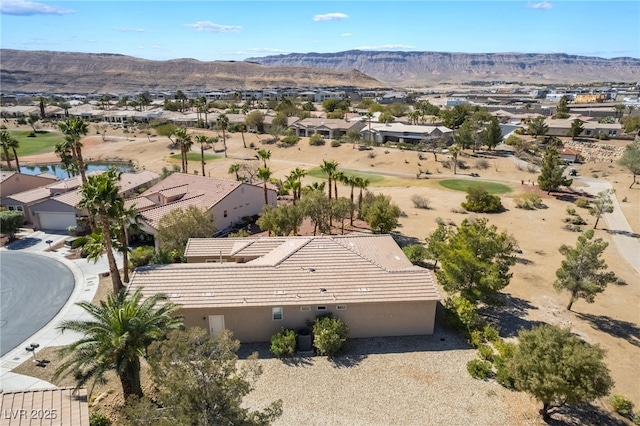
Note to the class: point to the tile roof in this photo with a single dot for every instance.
(299, 270)
(133, 180)
(6, 175)
(62, 406)
(31, 195)
(407, 128)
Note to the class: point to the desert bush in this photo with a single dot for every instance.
(583, 203)
(335, 143)
(480, 201)
(529, 202)
(622, 405)
(416, 253)
(290, 140)
(531, 168)
(99, 419)
(141, 256)
(316, 140)
(420, 201)
(486, 353)
(573, 228)
(491, 334)
(461, 314)
(331, 335)
(79, 242)
(283, 343)
(240, 233)
(446, 164)
(479, 369)
(458, 210)
(482, 164)
(372, 154)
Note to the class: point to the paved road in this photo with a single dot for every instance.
(34, 289)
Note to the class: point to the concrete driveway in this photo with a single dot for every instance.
(34, 289)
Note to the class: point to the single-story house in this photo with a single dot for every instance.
(407, 133)
(228, 201)
(330, 128)
(569, 155)
(60, 406)
(560, 127)
(257, 286)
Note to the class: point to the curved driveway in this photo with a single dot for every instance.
(34, 289)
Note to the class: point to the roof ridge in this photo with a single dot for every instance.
(353, 250)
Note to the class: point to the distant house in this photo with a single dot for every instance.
(330, 128)
(560, 127)
(404, 133)
(228, 201)
(61, 406)
(569, 155)
(257, 286)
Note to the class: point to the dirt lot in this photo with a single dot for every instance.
(612, 321)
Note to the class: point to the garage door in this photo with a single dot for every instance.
(56, 221)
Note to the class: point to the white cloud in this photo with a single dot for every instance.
(345, 35)
(131, 30)
(268, 50)
(542, 5)
(27, 8)
(210, 27)
(387, 47)
(330, 17)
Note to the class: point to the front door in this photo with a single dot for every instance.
(216, 324)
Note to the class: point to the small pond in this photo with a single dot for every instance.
(60, 173)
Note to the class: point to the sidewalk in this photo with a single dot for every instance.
(86, 276)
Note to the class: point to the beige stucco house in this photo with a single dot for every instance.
(330, 128)
(382, 133)
(560, 127)
(257, 286)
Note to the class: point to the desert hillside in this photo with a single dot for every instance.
(66, 72)
(426, 68)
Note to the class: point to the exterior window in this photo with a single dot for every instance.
(225, 213)
(321, 308)
(276, 314)
(305, 308)
(11, 208)
(341, 307)
(19, 208)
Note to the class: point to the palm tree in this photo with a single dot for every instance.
(292, 183)
(223, 123)
(264, 155)
(315, 186)
(5, 140)
(235, 168)
(337, 177)
(202, 140)
(183, 139)
(299, 174)
(116, 337)
(455, 151)
(369, 116)
(330, 168)
(351, 181)
(126, 220)
(101, 197)
(63, 150)
(362, 184)
(265, 174)
(74, 128)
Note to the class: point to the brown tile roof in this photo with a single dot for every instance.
(133, 180)
(62, 406)
(71, 198)
(140, 203)
(31, 195)
(299, 270)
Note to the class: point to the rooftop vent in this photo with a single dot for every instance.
(364, 289)
(323, 290)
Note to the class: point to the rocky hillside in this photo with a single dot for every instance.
(60, 72)
(426, 68)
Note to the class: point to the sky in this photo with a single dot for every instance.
(235, 30)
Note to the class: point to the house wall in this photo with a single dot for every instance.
(246, 200)
(20, 182)
(255, 324)
(50, 206)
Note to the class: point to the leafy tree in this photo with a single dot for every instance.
(537, 127)
(10, 222)
(631, 160)
(465, 136)
(582, 271)
(341, 209)
(558, 368)
(576, 129)
(255, 119)
(454, 117)
(330, 335)
(551, 173)
(199, 382)
(475, 261)
(353, 137)
(101, 197)
(116, 337)
(167, 130)
(317, 207)
(381, 214)
(601, 205)
(176, 227)
(385, 117)
(436, 243)
(32, 120)
(562, 108)
(480, 201)
(492, 135)
(282, 220)
(330, 105)
(416, 253)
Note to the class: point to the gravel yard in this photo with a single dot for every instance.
(417, 380)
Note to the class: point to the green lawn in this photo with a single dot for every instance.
(43, 142)
(373, 178)
(463, 184)
(194, 156)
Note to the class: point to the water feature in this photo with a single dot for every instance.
(60, 172)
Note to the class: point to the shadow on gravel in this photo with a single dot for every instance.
(509, 318)
(625, 233)
(23, 243)
(617, 328)
(584, 415)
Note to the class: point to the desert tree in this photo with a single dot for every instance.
(465, 135)
(381, 213)
(551, 176)
(603, 203)
(282, 220)
(176, 227)
(263, 155)
(184, 141)
(255, 119)
(537, 127)
(234, 169)
(341, 209)
(317, 207)
(492, 136)
(631, 160)
(558, 368)
(576, 129)
(116, 337)
(33, 120)
(583, 272)
(264, 174)
(436, 243)
(475, 261)
(562, 108)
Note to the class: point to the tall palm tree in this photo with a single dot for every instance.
(202, 140)
(183, 139)
(126, 219)
(362, 184)
(265, 174)
(5, 140)
(369, 116)
(351, 181)
(338, 176)
(264, 155)
(63, 150)
(330, 168)
(223, 123)
(74, 128)
(235, 169)
(299, 174)
(116, 337)
(101, 197)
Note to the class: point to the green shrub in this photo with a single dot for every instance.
(416, 253)
(330, 335)
(480, 201)
(283, 344)
(486, 353)
(476, 339)
(290, 140)
(141, 256)
(316, 140)
(491, 334)
(503, 375)
(622, 405)
(335, 143)
(582, 203)
(479, 369)
(79, 242)
(462, 314)
(420, 201)
(636, 418)
(98, 419)
(529, 202)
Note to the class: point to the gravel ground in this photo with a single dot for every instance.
(417, 380)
